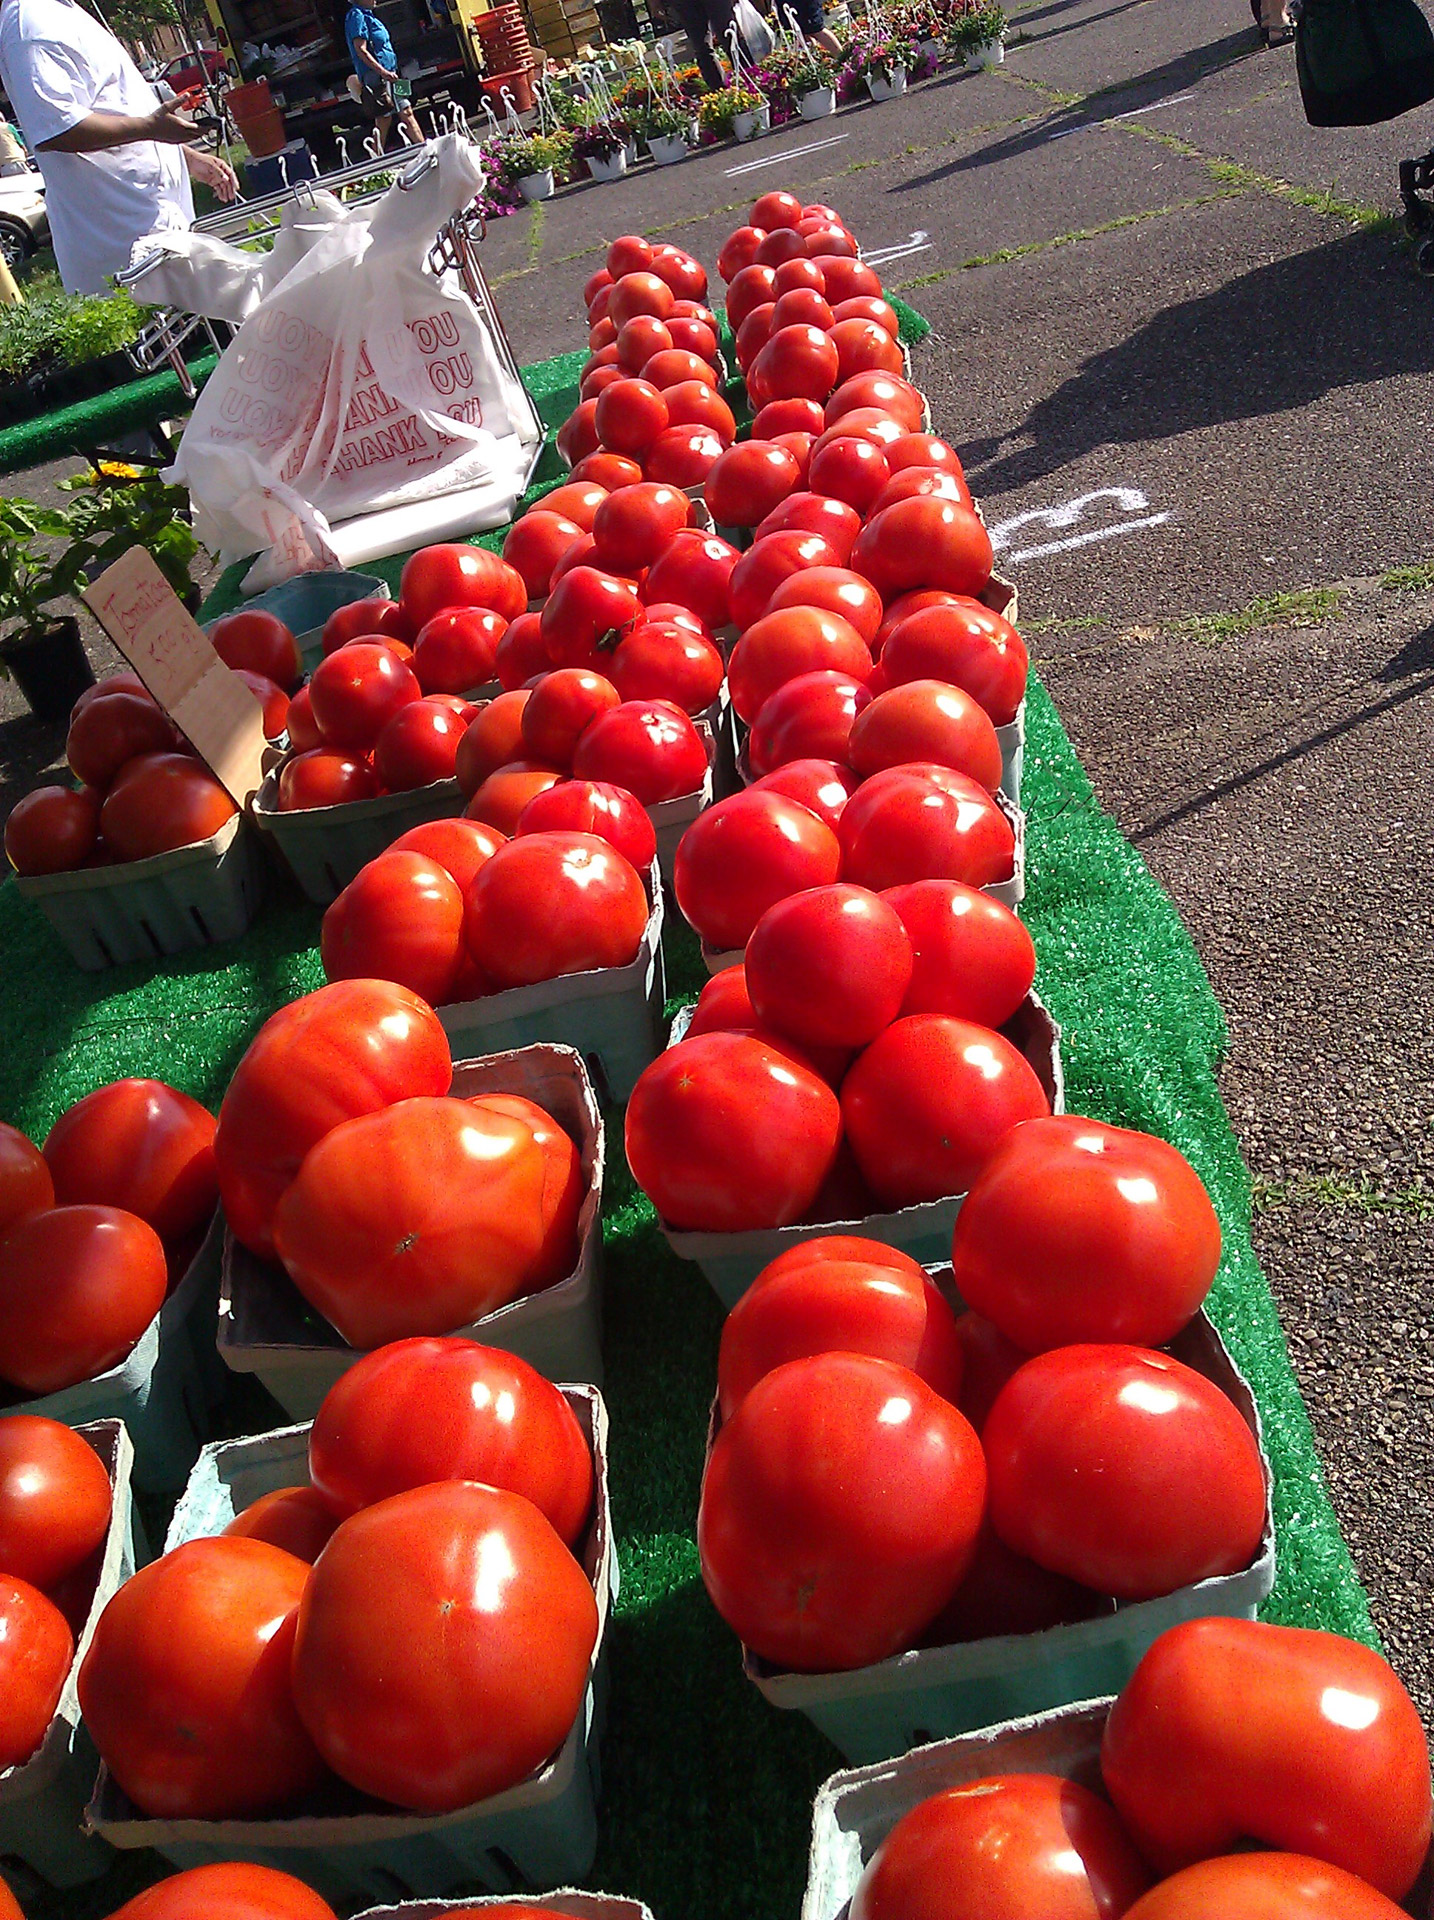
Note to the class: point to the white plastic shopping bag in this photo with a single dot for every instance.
(359, 382)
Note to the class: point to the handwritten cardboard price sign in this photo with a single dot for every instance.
(170, 652)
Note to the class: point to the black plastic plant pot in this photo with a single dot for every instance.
(50, 667)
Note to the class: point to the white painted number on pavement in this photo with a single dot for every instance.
(1129, 502)
(913, 243)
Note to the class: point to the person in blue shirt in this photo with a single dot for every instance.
(376, 66)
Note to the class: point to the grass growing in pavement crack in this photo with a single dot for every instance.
(1078, 623)
(535, 232)
(1324, 1190)
(1415, 579)
(1303, 607)
(1003, 255)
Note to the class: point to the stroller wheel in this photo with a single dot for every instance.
(1424, 257)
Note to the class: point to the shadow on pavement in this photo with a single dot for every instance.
(1229, 354)
(1415, 656)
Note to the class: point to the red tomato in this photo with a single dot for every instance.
(749, 480)
(272, 698)
(696, 572)
(425, 1410)
(232, 1890)
(686, 277)
(629, 253)
(802, 306)
(365, 620)
(840, 1507)
(36, 1648)
(162, 801)
(869, 424)
(648, 746)
(869, 307)
(585, 616)
(563, 705)
(676, 367)
(348, 1049)
(914, 602)
(990, 1361)
(553, 903)
(838, 1306)
(54, 1500)
(460, 847)
(500, 801)
(834, 520)
(52, 830)
(751, 287)
(1022, 1843)
(1077, 1231)
(799, 446)
(521, 652)
(297, 1520)
(401, 919)
(259, 641)
(25, 1183)
(864, 347)
(829, 966)
(10, 1908)
(739, 250)
(926, 720)
(905, 825)
(483, 1665)
(753, 334)
(457, 649)
(355, 692)
(639, 339)
(78, 1286)
(780, 245)
(847, 279)
(896, 397)
(418, 746)
(633, 526)
(924, 542)
(1325, 1756)
(776, 210)
(606, 470)
(1003, 1593)
(1264, 1886)
(801, 271)
(105, 735)
(739, 857)
(141, 1146)
(684, 456)
(974, 959)
(639, 292)
(767, 563)
(304, 735)
(667, 613)
(185, 1687)
(577, 501)
(723, 1005)
(849, 469)
(794, 641)
(319, 778)
(821, 786)
(839, 591)
(629, 416)
(594, 807)
(826, 242)
(1125, 1470)
(911, 481)
(787, 416)
(693, 336)
(444, 576)
(492, 740)
(967, 646)
(926, 1103)
(467, 1217)
(797, 363)
(656, 662)
(692, 403)
(704, 1173)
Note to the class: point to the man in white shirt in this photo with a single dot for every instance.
(116, 162)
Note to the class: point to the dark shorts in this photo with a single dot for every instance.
(376, 97)
(809, 14)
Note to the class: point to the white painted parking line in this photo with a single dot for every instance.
(913, 243)
(787, 153)
(1174, 100)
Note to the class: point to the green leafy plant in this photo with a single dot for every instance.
(537, 153)
(40, 562)
(55, 329)
(665, 118)
(127, 506)
(971, 27)
(717, 111)
(877, 57)
(599, 140)
(812, 69)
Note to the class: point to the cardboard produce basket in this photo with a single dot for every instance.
(42, 1803)
(196, 896)
(166, 1387)
(672, 818)
(612, 1016)
(874, 1712)
(856, 1809)
(326, 846)
(580, 1906)
(266, 1327)
(732, 1261)
(305, 603)
(541, 1831)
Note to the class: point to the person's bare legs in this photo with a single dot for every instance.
(382, 127)
(1275, 23)
(408, 120)
(827, 41)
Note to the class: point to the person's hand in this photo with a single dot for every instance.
(169, 125)
(214, 172)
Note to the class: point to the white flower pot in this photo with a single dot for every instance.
(537, 186)
(631, 150)
(817, 104)
(993, 54)
(611, 168)
(746, 126)
(667, 148)
(931, 50)
(880, 89)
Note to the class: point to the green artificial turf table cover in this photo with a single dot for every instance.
(707, 1790)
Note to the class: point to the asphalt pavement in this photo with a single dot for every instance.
(1185, 354)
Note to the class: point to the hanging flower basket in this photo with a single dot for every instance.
(817, 104)
(608, 167)
(886, 86)
(993, 54)
(536, 186)
(667, 148)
